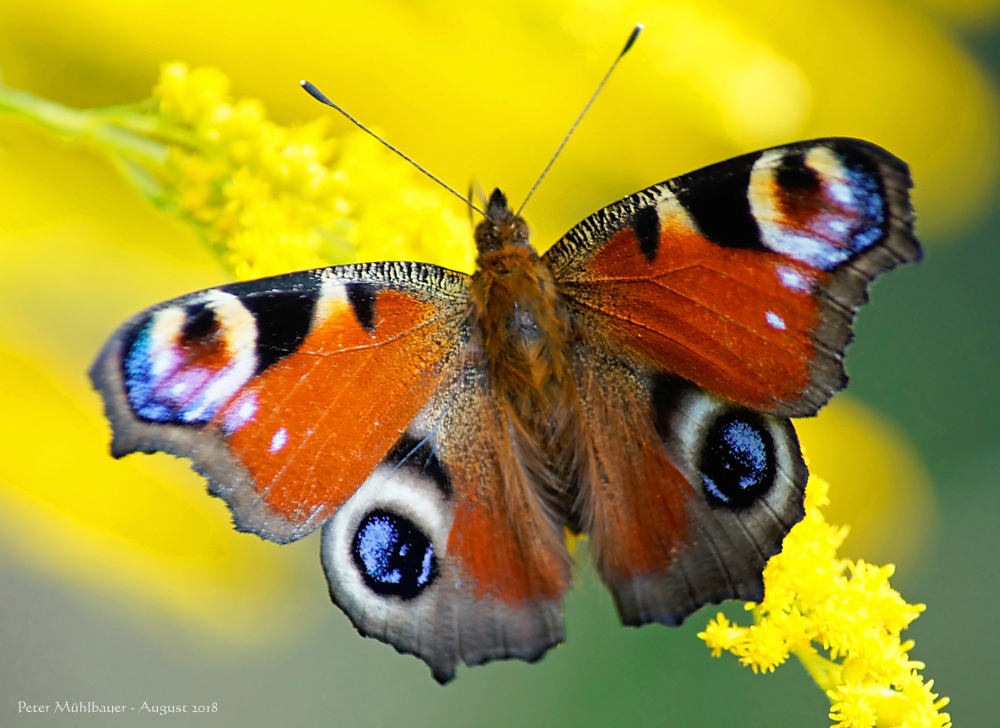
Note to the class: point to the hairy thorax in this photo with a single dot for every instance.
(523, 336)
(523, 329)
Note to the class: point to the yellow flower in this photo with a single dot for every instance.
(813, 601)
(721, 636)
(267, 198)
(273, 198)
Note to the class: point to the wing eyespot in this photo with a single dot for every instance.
(186, 361)
(394, 557)
(200, 322)
(737, 465)
(384, 548)
(734, 455)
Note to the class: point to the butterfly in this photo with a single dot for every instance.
(633, 384)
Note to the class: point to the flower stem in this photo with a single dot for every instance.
(824, 672)
(88, 124)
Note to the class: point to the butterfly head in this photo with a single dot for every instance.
(501, 228)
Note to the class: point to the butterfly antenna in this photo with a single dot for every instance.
(470, 197)
(628, 44)
(318, 95)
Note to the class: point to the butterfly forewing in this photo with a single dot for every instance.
(743, 277)
(258, 383)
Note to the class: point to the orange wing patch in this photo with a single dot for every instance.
(738, 322)
(501, 565)
(744, 277)
(507, 545)
(636, 498)
(326, 415)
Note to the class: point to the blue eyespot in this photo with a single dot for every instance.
(394, 557)
(737, 460)
(183, 374)
(830, 217)
(141, 382)
(871, 205)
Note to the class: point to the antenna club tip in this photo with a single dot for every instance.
(631, 39)
(316, 93)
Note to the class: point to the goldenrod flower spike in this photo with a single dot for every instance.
(815, 601)
(267, 198)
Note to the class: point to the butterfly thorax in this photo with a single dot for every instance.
(514, 304)
(521, 335)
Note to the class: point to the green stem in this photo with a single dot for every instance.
(151, 127)
(86, 124)
(826, 673)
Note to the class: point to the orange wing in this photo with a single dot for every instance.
(341, 396)
(743, 277)
(285, 392)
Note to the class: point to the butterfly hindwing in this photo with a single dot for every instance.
(691, 493)
(258, 383)
(443, 552)
(743, 277)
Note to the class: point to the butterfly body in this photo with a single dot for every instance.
(632, 384)
(521, 335)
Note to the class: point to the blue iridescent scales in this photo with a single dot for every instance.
(851, 220)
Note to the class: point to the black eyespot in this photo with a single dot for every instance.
(793, 175)
(199, 322)
(395, 558)
(738, 460)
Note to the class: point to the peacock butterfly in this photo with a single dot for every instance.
(633, 384)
